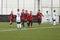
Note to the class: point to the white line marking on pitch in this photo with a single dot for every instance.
(14, 29)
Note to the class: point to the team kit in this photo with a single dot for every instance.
(25, 16)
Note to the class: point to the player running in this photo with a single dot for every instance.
(39, 17)
(54, 17)
(27, 17)
(11, 17)
(47, 17)
(30, 19)
(22, 17)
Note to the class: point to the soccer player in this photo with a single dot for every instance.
(26, 14)
(11, 17)
(22, 17)
(47, 17)
(18, 19)
(30, 19)
(39, 17)
(54, 17)
(27, 17)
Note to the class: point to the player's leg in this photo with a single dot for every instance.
(31, 23)
(10, 22)
(18, 25)
(40, 21)
(55, 22)
(23, 23)
(28, 24)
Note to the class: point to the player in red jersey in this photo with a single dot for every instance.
(11, 17)
(27, 17)
(39, 17)
(26, 14)
(22, 17)
(30, 19)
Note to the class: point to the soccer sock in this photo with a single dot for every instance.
(54, 23)
(23, 24)
(18, 26)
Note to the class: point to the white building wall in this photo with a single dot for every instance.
(45, 5)
(9, 5)
(29, 5)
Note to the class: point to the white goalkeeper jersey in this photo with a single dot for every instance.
(47, 16)
(18, 17)
(54, 16)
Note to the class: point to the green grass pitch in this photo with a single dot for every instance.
(43, 32)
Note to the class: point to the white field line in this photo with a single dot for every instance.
(14, 29)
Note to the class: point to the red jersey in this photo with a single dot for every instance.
(11, 16)
(22, 16)
(27, 16)
(30, 17)
(39, 15)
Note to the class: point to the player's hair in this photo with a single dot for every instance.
(54, 10)
(18, 10)
(46, 11)
(30, 11)
(39, 10)
(22, 9)
(26, 10)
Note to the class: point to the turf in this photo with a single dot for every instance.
(42, 33)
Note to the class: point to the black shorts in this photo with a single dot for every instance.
(18, 22)
(54, 20)
(30, 21)
(39, 20)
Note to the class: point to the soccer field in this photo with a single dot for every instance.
(43, 32)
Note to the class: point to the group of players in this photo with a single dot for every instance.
(53, 16)
(23, 16)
